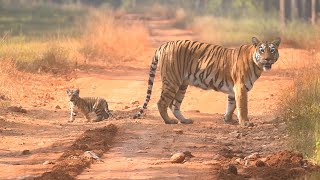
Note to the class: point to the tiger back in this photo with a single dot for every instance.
(87, 105)
(207, 66)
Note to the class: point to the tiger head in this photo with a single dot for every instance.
(266, 53)
(73, 94)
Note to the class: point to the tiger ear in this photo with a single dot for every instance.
(68, 91)
(77, 91)
(255, 41)
(277, 41)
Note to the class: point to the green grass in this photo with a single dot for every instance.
(41, 20)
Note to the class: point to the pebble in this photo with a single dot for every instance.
(233, 169)
(48, 162)
(238, 160)
(253, 156)
(178, 131)
(25, 152)
(177, 158)
(260, 163)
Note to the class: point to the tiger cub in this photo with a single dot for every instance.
(87, 105)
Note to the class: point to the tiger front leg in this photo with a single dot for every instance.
(73, 113)
(231, 106)
(241, 97)
(72, 116)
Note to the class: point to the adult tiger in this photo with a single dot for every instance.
(232, 71)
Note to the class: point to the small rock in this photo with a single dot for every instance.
(260, 163)
(232, 169)
(91, 155)
(238, 160)
(253, 156)
(178, 131)
(142, 151)
(134, 102)
(177, 158)
(126, 107)
(26, 152)
(129, 159)
(48, 162)
(188, 154)
(58, 107)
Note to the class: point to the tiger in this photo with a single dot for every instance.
(87, 105)
(232, 71)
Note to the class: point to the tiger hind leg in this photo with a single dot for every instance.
(167, 96)
(231, 106)
(86, 114)
(176, 103)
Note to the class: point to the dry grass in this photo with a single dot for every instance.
(234, 32)
(19, 87)
(301, 110)
(111, 40)
(23, 60)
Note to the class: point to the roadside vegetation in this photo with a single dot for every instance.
(301, 111)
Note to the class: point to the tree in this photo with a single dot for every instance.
(313, 12)
(294, 10)
(282, 13)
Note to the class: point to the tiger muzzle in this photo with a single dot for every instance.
(266, 64)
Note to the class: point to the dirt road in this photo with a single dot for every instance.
(142, 148)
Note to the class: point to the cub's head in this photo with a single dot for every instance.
(266, 53)
(73, 94)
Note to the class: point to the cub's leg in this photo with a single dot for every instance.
(167, 95)
(241, 95)
(73, 113)
(101, 110)
(231, 106)
(86, 114)
(106, 111)
(176, 103)
(100, 113)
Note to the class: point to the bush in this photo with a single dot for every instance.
(301, 111)
(111, 40)
(234, 32)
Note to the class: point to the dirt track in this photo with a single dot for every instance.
(143, 147)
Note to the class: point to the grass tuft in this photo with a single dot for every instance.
(111, 40)
(301, 112)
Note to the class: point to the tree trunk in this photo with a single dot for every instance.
(313, 12)
(282, 13)
(303, 9)
(294, 10)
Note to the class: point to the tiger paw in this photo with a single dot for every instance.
(227, 119)
(171, 121)
(187, 121)
(246, 124)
